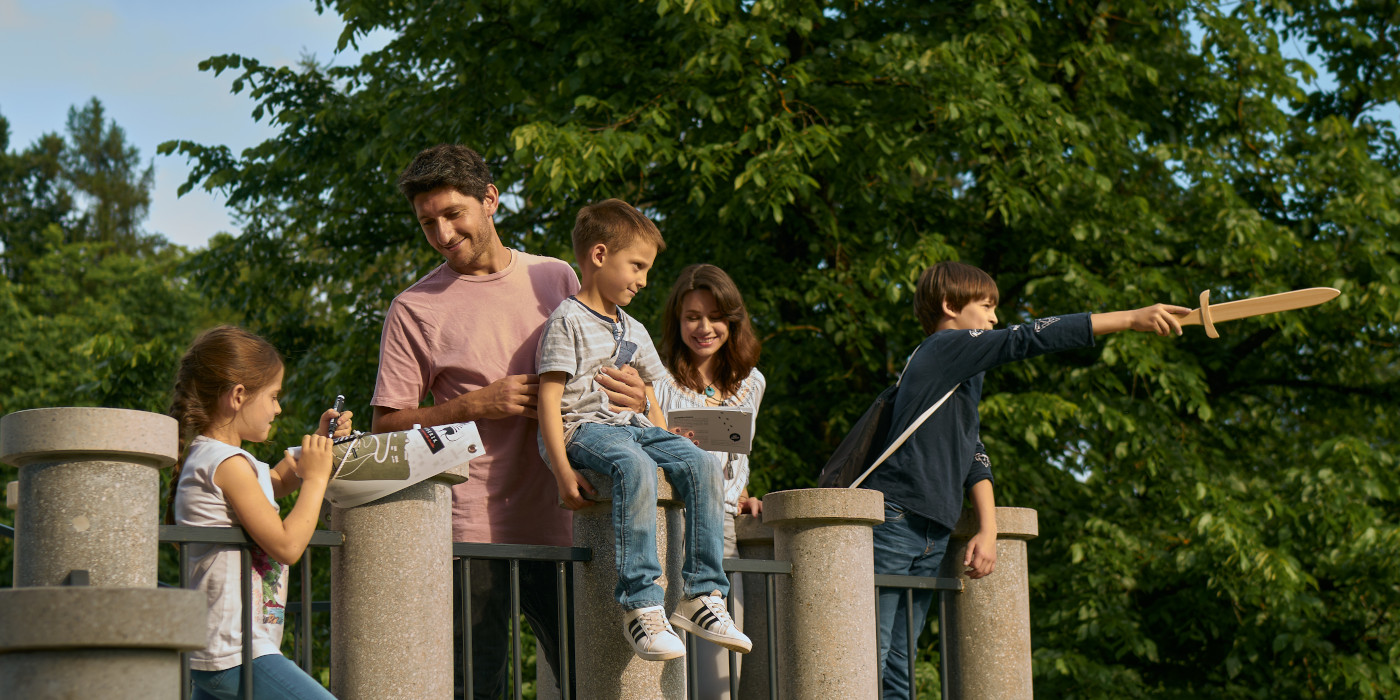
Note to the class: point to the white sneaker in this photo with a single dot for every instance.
(651, 635)
(707, 618)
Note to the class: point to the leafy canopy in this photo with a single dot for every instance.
(1218, 518)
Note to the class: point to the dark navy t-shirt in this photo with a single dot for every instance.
(941, 460)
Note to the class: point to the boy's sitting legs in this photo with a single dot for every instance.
(696, 479)
(631, 456)
(611, 450)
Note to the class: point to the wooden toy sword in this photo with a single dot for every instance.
(1209, 315)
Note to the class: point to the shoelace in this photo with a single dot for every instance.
(715, 604)
(653, 622)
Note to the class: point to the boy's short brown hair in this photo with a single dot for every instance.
(614, 223)
(957, 283)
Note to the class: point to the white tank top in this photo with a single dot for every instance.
(214, 569)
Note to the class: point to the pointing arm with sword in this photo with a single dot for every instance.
(1164, 319)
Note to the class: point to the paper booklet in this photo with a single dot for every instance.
(717, 428)
(367, 467)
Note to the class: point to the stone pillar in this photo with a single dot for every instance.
(986, 629)
(89, 493)
(391, 594)
(604, 665)
(87, 506)
(755, 542)
(826, 608)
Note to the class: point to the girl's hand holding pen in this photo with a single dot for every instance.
(343, 421)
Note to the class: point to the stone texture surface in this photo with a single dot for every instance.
(986, 629)
(605, 665)
(826, 609)
(64, 434)
(391, 597)
(80, 642)
(88, 494)
(93, 515)
(755, 542)
(68, 617)
(121, 674)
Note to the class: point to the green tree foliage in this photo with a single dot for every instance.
(96, 311)
(1218, 518)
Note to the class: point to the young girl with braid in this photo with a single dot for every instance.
(226, 392)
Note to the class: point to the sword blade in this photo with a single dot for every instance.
(1273, 303)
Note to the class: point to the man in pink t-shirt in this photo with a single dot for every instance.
(467, 333)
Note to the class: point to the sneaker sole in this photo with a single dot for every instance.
(658, 655)
(701, 632)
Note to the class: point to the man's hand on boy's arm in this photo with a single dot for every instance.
(514, 395)
(624, 388)
(1161, 319)
(981, 556)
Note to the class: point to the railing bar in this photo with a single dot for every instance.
(912, 641)
(733, 656)
(523, 552)
(757, 566)
(692, 665)
(562, 673)
(464, 575)
(245, 559)
(925, 583)
(515, 623)
(184, 655)
(192, 534)
(942, 647)
(304, 619)
(879, 640)
(772, 598)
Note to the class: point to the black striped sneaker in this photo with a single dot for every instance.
(707, 618)
(651, 635)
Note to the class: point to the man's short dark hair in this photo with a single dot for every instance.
(446, 165)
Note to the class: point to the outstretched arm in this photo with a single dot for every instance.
(1161, 319)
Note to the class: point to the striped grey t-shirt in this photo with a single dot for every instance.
(580, 342)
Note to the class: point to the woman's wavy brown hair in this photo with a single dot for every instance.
(740, 353)
(217, 361)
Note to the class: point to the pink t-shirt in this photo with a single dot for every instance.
(450, 334)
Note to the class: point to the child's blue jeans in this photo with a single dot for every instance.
(906, 544)
(630, 455)
(275, 677)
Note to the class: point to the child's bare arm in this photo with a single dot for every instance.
(982, 548)
(283, 540)
(656, 416)
(1158, 318)
(569, 481)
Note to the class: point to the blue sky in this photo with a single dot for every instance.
(140, 58)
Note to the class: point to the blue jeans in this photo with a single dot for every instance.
(275, 677)
(906, 544)
(630, 455)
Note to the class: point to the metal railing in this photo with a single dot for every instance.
(563, 558)
(911, 584)
(184, 535)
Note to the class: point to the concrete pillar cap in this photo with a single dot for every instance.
(748, 528)
(78, 617)
(1012, 524)
(851, 505)
(112, 434)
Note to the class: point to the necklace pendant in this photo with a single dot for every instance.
(710, 392)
